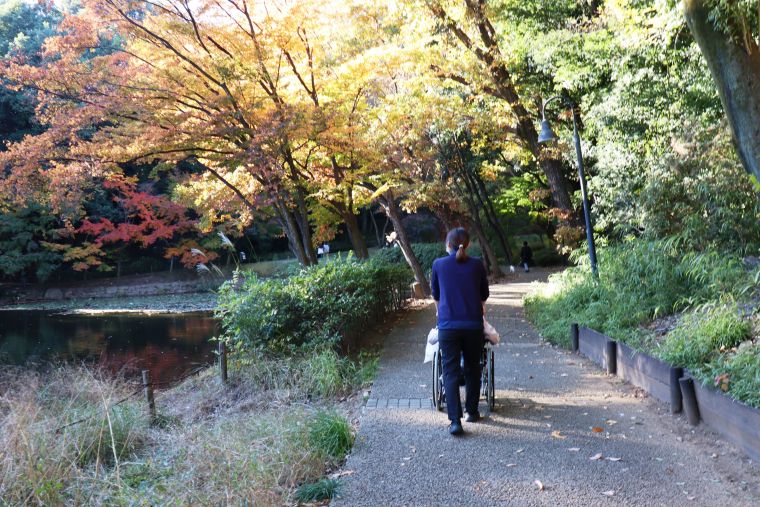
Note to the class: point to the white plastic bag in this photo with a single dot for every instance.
(430, 350)
(432, 338)
(431, 345)
(490, 332)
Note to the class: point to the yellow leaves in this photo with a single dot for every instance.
(557, 434)
(380, 191)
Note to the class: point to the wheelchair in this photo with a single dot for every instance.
(487, 387)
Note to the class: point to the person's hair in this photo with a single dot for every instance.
(525, 243)
(459, 239)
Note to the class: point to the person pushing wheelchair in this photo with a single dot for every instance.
(460, 290)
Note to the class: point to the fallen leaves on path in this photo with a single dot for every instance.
(574, 449)
(343, 473)
(609, 493)
(539, 485)
(596, 457)
(615, 459)
(558, 434)
(597, 429)
(518, 451)
(510, 465)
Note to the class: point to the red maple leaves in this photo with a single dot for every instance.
(148, 219)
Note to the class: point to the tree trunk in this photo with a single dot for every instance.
(485, 201)
(290, 227)
(302, 219)
(378, 237)
(392, 212)
(491, 261)
(736, 72)
(489, 258)
(355, 235)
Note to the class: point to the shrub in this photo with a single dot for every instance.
(637, 282)
(319, 305)
(642, 281)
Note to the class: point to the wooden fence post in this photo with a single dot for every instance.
(676, 400)
(148, 389)
(223, 362)
(689, 400)
(574, 337)
(611, 353)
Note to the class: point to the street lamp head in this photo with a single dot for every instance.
(547, 134)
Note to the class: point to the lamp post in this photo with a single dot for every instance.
(547, 135)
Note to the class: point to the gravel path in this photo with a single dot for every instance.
(538, 446)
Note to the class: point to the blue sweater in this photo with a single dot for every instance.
(460, 289)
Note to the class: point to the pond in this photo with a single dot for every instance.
(168, 345)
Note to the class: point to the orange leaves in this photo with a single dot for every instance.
(722, 382)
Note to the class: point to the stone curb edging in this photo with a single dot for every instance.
(398, 403)
(735, 421)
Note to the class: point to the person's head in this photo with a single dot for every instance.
(458, 240)
(525, 243)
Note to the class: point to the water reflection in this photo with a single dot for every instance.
(167, 345)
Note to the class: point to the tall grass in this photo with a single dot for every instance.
(256, 458)
(638, 282)
(272, 430)
(45, 450)
(703, 335)
(711, 296)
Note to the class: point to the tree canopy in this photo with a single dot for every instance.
(312, 114)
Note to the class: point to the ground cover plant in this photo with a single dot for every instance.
(697, 310)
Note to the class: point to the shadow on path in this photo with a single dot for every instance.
(555, 413)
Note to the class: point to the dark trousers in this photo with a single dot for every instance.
(454, 344)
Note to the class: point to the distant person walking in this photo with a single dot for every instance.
(460, 290)
(526, 256)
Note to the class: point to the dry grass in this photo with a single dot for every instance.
(43, 454)
(256, 440)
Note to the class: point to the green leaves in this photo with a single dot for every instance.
(23, 236)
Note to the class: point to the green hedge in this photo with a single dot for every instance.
(319, 305)
(426, 253)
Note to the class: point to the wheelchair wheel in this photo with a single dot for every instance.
(484, 374)
(438, 394)
(491, 383)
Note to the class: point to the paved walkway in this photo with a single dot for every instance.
(542, 445)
